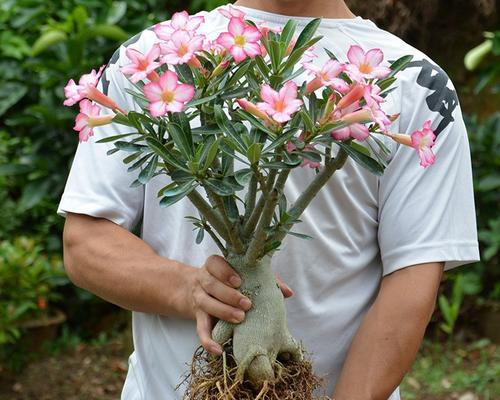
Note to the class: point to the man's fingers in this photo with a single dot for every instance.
(218, 309)
(224, 293)
(204, 331)
(220, 269)
(285, 289)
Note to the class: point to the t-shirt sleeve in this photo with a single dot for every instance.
(99, 184)
(428, 214)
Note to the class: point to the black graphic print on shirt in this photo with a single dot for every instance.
(444, 100)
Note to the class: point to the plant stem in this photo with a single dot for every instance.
(250, 198)
(311, 191)
(210, 215)
(265, 187)
(232, 230)
(215, 238)
(259, 240)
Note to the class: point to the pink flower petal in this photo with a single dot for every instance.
(288, 92)
(374, 57)
(168, 81)
(268, 94)
(238, 53)
(226, 40)
(359, 131)
(251, 33)
(356, 55)
(184, 92)
(281, 117)
(252, 49)
(381, 72)
(158, 108)
(180, 19)
(153, 91)
(236, 26)
(341, 134)
(175, 106)
(194, 23)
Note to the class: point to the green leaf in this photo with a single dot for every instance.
(206, 130)
(148, 172)
(243, 176)
(277, 165)
(255, 122)
(307, 33)
(365, 161)
(360, 148)
(159, 149)
(253, 153)
(300, 235)
(200, 101)
(262, 66)
(311, 155)
(330, 54)
(128, 146)
(47, 40)
(308, 122)
(184, 73)
(123, 120)
(138, 163)
(182, 140)
(288, 32)
(200, 236)
(295, 56)
(115, 137)
(224, 123)
(219, 187)
(275, 54)
(280, 140)
(400, 64)
(112, 32)
(212, 153)
(10, 95)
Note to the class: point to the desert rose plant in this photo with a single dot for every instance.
(225, 122)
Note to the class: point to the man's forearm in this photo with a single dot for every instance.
(388, 339)
(122, 269)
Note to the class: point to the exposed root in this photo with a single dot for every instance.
(214, 378)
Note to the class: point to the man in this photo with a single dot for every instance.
(365, 286)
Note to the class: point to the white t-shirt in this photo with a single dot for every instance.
(364, 226)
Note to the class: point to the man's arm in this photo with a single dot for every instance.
(390, 335)
(116, 265)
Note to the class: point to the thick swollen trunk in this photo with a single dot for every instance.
(263, 335)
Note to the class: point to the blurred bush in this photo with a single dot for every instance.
(29, 280)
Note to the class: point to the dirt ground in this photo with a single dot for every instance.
(83, 373)
(97, 372)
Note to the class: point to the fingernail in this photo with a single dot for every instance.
(245, 303)
(238, 316)
(235, 280)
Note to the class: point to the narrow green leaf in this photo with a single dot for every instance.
(288, 32)
(365, 161)
(182, 140)
(212, 153)
(219, 187)
(307, 33)
(159, 149)
(243, 176)
(127, 146)
(253, 153)
(148, 172)
(184, 73)
(116, 137)
(200, 101)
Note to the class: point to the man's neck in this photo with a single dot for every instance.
(301, 8)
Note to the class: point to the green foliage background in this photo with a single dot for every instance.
(45, 43)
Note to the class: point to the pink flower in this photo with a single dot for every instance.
(74, 93)
(167, 94)
(181, 21)
(241, 40)
(423, 141)
(352, 115)
(142, 65)
(181, 48)
(280, 105)
(229, 12)
(366, 65)
(373, 101)
(88, 118)
(326, 76)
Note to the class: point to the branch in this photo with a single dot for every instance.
(250, 198)
(214, 237)
(311, 191)
(233, 233)
(265, 187)
(259, 240)
(210, 215)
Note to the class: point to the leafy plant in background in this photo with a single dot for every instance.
(42, 44)
(29, 279)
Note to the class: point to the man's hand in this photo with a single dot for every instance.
(214, 295)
